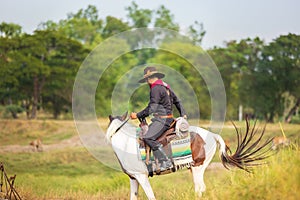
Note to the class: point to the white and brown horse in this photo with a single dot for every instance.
(123, 139)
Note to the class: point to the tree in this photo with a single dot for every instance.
(83, 26)
(31, 56)
(45, 60)
(197, 32)
(250, 51)
(139, 18)
(281, 63)
(111, 75)
(9, 30)
(237, 63)
(164, 19)
(64, 63)
(113, 26)
(9, 84)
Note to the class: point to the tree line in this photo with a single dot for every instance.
(38, 70)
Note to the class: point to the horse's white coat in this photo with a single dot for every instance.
(124, 144)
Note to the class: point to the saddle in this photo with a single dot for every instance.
(185, 149)
(164, 139)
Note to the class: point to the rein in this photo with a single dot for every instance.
(120, 126)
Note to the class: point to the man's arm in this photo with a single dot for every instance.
(153, 103)
(178, 104)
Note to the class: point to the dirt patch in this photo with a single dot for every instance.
(75, 141)
(71, 142)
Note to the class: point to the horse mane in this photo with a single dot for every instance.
(128, 128)
(247, 153)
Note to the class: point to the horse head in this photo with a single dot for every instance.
(121, 118)
(115, 123)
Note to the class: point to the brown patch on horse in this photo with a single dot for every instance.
(197, 147)
(167, 136)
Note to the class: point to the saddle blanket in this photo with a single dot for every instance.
(181, 152)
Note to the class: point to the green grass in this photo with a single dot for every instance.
(61, 173)
(280, 179)
(73, 174)
(22, 132)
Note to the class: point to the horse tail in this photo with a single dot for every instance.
(249, 148)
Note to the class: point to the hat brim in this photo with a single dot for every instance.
(158, 75)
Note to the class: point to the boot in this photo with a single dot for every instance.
(165, 162)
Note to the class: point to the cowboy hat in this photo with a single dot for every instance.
(150, 72)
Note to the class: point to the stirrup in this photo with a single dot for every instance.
(165, 165)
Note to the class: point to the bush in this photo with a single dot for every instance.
(295, 120)
(12, 109)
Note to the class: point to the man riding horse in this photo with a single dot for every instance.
(160, 105)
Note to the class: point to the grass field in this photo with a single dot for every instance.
(71, 173)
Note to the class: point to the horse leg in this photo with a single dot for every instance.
(147, 148)
(144, 182)
(198, 172)
(134, 187)
(198, 178)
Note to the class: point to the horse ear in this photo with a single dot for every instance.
(124, 116)
(110, 118)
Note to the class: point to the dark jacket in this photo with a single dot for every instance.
(161, 100)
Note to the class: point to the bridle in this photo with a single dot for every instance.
(120, 127)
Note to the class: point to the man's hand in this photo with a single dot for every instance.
(133, 115)
(184, 116)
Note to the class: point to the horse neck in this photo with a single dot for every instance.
(115, 124)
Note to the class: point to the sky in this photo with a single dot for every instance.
(223, 20)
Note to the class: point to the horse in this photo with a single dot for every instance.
(122, 137)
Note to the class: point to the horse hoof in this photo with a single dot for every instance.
(157, 171)
(150, 174)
